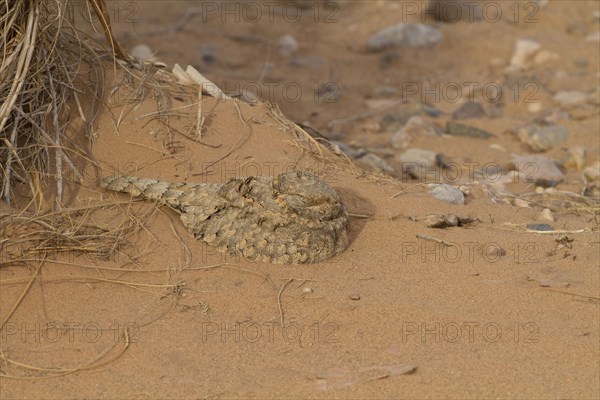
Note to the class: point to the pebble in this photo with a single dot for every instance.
(207, 53)
(540, 227)
(416, 126)
(592, 180)
(399, 116)
(592, 173)
(249, 97)
(525, 49)
(355, 296)
(447, 193)
(287, 45)
(469, 110)
(538, 169)
(415, 161)
(307, 290)
(546, 215)
(376, 162)
(575, 158)
(520, 203)
(542, 138)
(570, 99)
(458, 129)
(441, 221)
(405, 35)
(343, 147)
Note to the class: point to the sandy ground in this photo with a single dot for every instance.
(395, 315)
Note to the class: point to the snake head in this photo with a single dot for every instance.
(307, 196)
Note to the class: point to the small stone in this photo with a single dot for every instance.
(447, 193)
(538, 169)
(540, 227)
(355, 296)
(440, 221)
(592, 180)
(466, 189)
(414, 162)
(287, 45)
(469, 110)
(458, 129)
(248, 96)
(592, 174)
(570, 99)
(207, 53)
(343, 147)
(524, 52)
(416, 126)
(542, 138)
(575, 158)
(405, 35)
(307, 290)
(546, 215)
(539, 189)
(520, 203)
(376, 162)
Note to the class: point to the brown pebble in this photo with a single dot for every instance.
(355, 296)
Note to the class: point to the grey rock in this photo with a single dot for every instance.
(538, 169)
(441, 221)
(458, 129)
(447, 193)
(592, 180)
(570, 99)
(469, 110)
(540, 227)
(415, 126)
(376, 162)
(542, 138)
(575, 158)
(343, 147)
(414, 162)
(405, 35)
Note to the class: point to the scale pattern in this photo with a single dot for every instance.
(291, 218)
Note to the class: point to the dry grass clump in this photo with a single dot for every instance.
(47, 71)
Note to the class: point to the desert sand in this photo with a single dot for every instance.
(491, 309)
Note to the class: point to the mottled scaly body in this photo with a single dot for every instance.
(291, 218)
